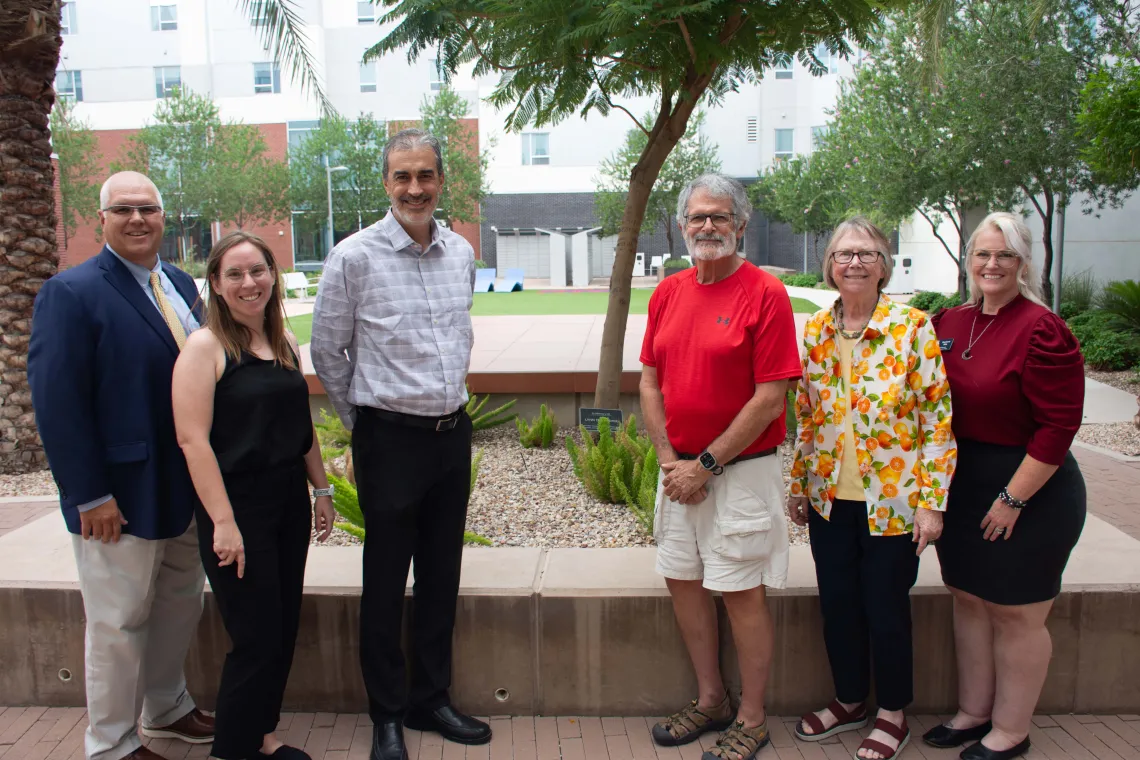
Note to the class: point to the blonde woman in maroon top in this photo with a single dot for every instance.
(1018, 498)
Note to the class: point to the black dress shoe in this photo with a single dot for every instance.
(450, 724)
(388, 741)
(945, 737)
(980, 751)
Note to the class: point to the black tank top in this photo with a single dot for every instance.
(261, 416)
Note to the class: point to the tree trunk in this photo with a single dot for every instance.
(1047, 244)
(667, 131)
(29, 54)
(667, 220)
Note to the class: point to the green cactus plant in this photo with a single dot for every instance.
(540, 432)
(618, 470)
(481, 420)
(346, 502)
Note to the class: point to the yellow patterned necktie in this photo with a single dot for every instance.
(168, 312)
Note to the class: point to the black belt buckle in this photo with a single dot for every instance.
(447, 423)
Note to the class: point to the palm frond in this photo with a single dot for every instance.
(933, 20)
(281, 29)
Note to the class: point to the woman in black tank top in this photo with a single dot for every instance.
(241, 409)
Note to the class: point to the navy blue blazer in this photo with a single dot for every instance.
(99, 364)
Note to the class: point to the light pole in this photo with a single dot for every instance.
(328, 176)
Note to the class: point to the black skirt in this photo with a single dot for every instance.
(1027, 567)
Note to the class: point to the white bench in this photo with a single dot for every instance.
(295, 281)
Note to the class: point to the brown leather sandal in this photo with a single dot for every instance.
(899, 733)
(690, 722)
(847, 721)
(739, 743)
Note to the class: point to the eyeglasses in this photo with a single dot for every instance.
(697, 221)
(237, 276)
(1005, 259)
(865, 257)
(126, 212)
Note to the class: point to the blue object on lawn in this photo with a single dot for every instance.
(512, 282)
(484, 280)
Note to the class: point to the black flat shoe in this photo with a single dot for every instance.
(388, 741)
(945, 737)
(285, 752)
(450, 724)
(980, 751)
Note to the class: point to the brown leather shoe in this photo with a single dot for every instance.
(142, 753)
(195, 727)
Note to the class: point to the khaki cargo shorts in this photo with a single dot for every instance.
(736, 539)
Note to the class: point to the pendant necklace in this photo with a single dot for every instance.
(968, 353)
(857, 334)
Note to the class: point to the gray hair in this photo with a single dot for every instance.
(410, 139)
(105, 190)
(718, 186)
(867, 227)
(1019, 240)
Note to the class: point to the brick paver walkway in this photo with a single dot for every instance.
(1113, 489)
(37, 733)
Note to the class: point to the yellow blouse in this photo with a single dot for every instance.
(900, 417)
(849, 484)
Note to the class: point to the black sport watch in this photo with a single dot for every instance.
(708, 461)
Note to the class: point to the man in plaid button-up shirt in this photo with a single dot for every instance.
(392, 343)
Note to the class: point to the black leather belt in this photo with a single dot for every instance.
(741, 458)
(438, 424)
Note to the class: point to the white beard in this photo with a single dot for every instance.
(703, 252)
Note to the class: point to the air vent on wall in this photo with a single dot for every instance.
(751, 130)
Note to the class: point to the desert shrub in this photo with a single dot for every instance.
(676, 264)
(346, 502)
(618, 469)
(1104, 345)
(481, 420)
(1078, 292)
(1121, 300)
(539, 433)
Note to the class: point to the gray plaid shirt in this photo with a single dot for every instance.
(392, 323)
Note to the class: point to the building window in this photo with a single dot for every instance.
(69, 84)
(299, 131)
(437, 78)
(259, 13)
(535, 148)
(67, 22)
(783, 144)
(817, 135)
(163, 18)
(784, 70)
(368, 77)
(829, 59)
(266, 78)
(751, 129)
(166, 78)
(365, 13)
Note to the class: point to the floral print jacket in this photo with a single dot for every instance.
(905, 448)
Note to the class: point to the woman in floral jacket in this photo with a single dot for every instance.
(874, 458)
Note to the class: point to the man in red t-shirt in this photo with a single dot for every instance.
(719, 350)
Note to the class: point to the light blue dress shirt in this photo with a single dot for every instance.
(181, 308)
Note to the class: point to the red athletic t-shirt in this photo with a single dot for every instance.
(711, 345)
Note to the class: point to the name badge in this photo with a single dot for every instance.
(945, 345)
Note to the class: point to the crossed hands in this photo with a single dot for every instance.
(685, 481)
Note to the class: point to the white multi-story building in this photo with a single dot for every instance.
(121, 56)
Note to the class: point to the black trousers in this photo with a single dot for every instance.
(413, 485)
(864, 592)
(261, 610)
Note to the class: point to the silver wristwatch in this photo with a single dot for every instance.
(317, 492)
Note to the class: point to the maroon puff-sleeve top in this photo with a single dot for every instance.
(1024, 383)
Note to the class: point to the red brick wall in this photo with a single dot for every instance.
(112, 144)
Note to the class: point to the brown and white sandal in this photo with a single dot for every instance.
(848, 721)
(901, 734)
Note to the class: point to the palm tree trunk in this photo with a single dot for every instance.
(29, 54)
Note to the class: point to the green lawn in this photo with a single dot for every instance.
(541, 303)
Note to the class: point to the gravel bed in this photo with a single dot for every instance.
(1122, 437)
(1126, 380)
(530, 497)
(30, 484)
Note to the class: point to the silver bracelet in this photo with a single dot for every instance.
(318, 492)
(1009, 501)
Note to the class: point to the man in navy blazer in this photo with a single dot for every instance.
(105, 335)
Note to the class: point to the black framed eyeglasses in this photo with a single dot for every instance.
(865, 257)
(719, 220)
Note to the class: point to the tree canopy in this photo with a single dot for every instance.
(464, 165)
(558, 58)
(77, 148)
